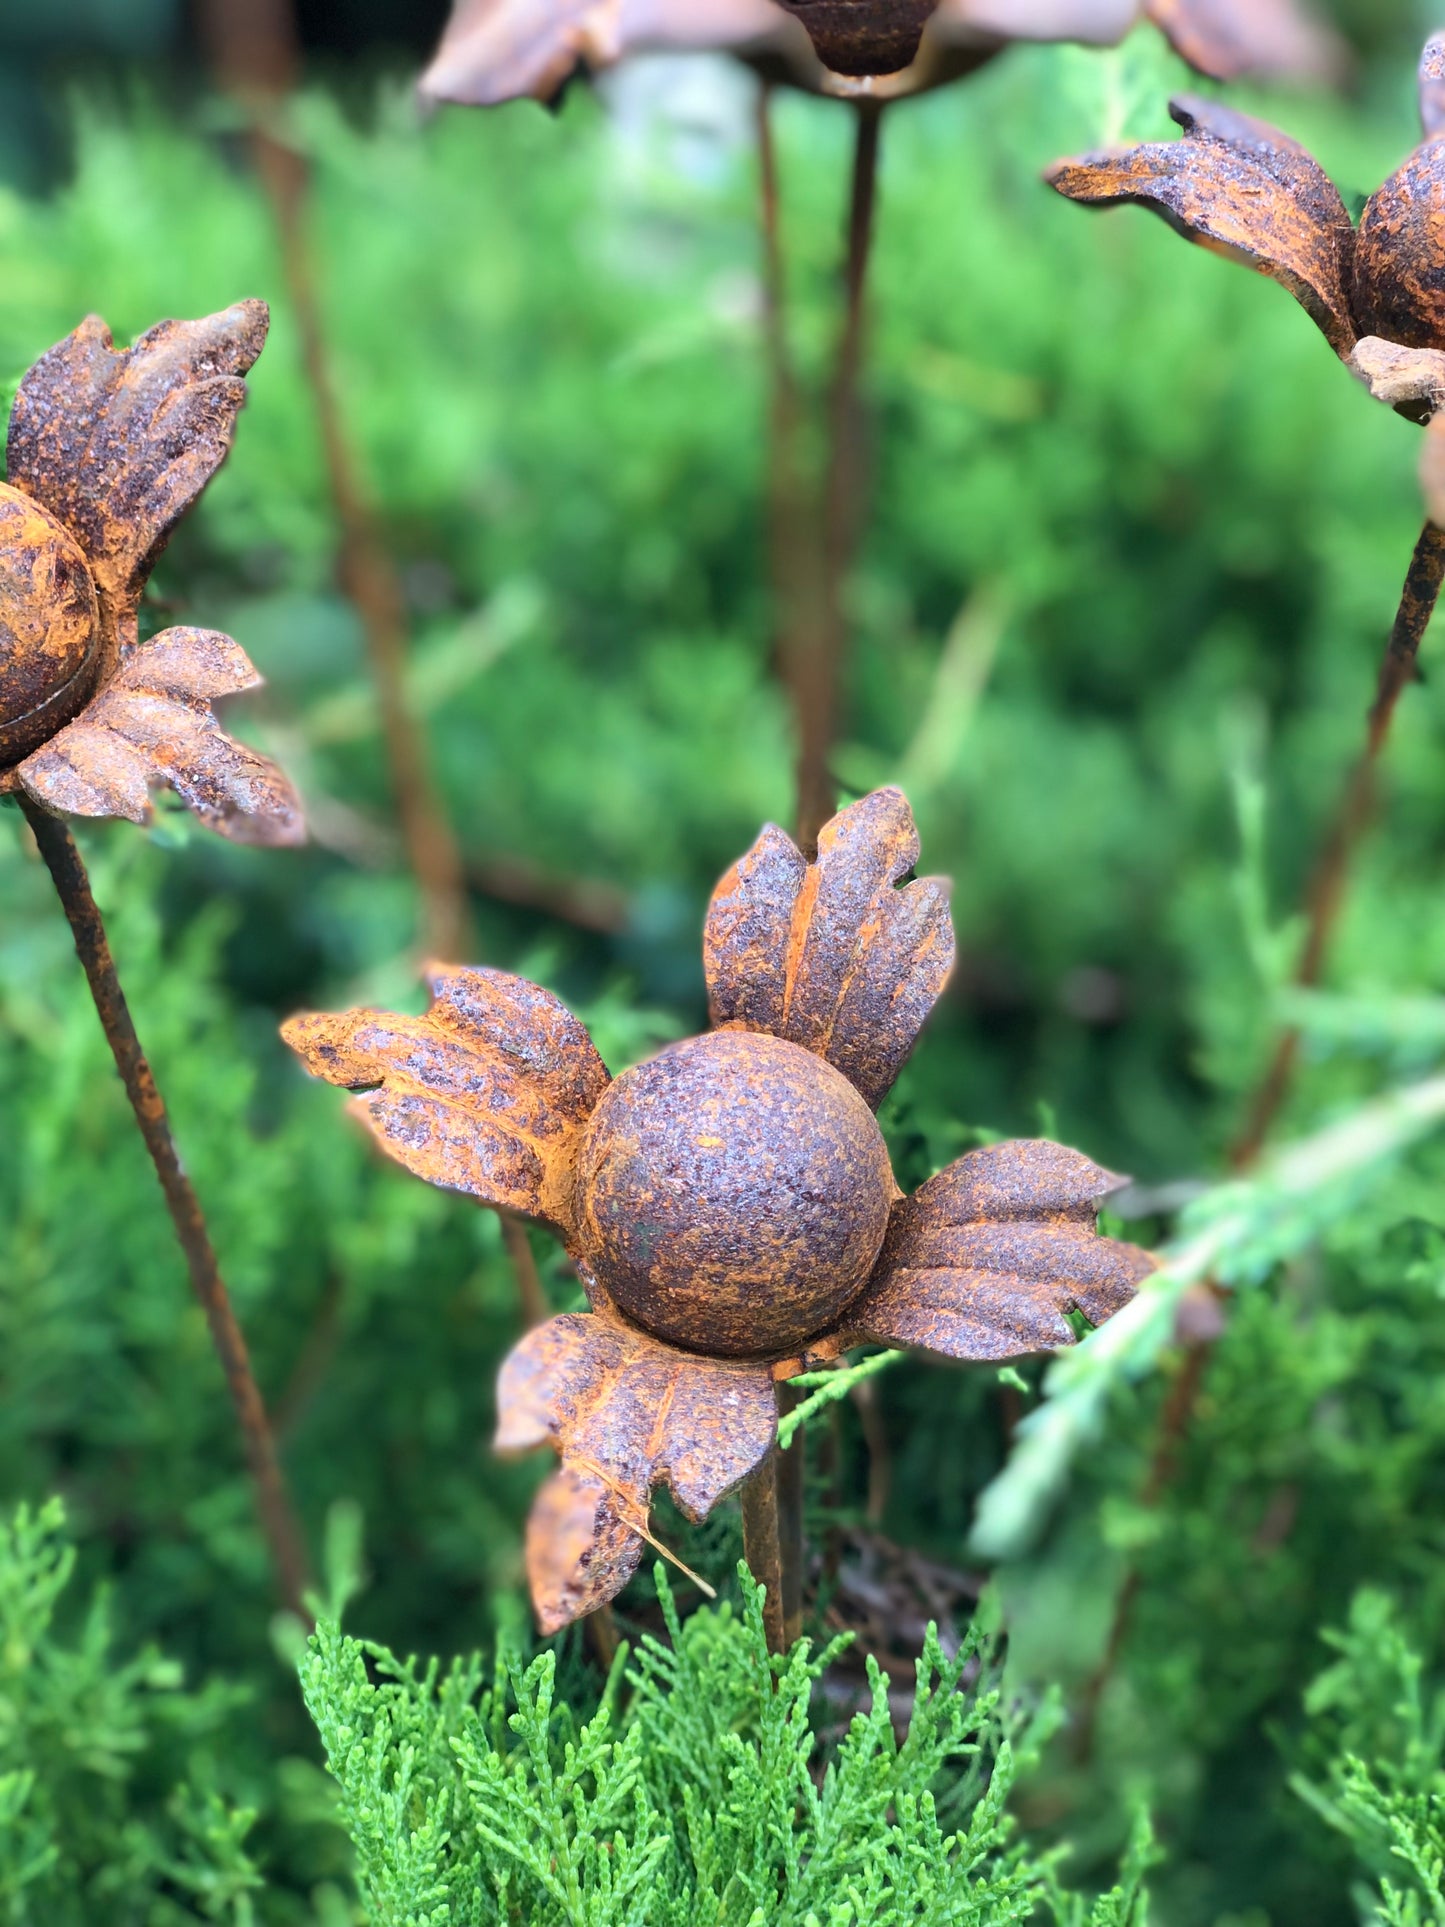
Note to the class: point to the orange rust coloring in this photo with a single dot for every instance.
(107, 449)
(1243, 189)
(729, 1204)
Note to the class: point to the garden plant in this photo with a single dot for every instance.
(761, 1474)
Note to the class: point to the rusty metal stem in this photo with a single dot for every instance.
(256, 55)
(530, 1294)
(762, 1548)
(820, 666)
(1353, 815)
(793, 546)
(273, 1503)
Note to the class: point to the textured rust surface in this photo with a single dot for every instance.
(49, 625)
(729, 1204)
(152, 725)
(984, 1260)
(863, 36)
(833, 955)
(118, 443)
(1243, 189)
(486, 1094)
(624, 1413)
(1399, 280)
(107, 449)
(732, 1194)
(499, 50)
(1228, 38)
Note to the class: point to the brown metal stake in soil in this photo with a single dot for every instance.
(273, 1503)
(255, 53)
(1352, 818)
(819, 670)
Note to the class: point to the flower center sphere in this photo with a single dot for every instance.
(49, 626)
(732, 1194)
(864, 36)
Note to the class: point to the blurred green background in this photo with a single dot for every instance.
(1136, 539)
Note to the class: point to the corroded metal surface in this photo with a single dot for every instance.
(625, 1414)
(1399, 280)
(118, 443)
(725, 1203)
(984, 1260)
(732, 1194)
(152, 724)
(107, 449)
(863, 36)
(1243, 189)
(487, 1094)
(49, 625)
(833, 955)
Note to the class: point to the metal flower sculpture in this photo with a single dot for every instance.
(1241, 188)
(107, 450)
(497, 50)
(729, 1204)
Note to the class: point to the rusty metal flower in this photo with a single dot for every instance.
(499, 50)
(729, 1204)
(107, 450)
(1243, 189)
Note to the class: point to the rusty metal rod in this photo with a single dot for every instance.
(819, 672)
(793, 539)
(763, 1548)
(273, 1502)
(1353, 815)
(257, 58)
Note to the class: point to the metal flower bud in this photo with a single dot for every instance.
(49, 625)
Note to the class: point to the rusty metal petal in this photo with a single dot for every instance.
(1243, 189)
(488, 1093)
(1399, 264)
(625, 1413)
(117, 444)
(499, 50)
(1229, 38)
(152, 726)
(983, 1260)
(833, 955)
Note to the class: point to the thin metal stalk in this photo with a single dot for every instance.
(256, 56)
(763, 1549)
(820, 667)
(1353, 815)
(273, 1502)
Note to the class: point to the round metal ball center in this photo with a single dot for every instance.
(49, 626)
(732, 1194)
